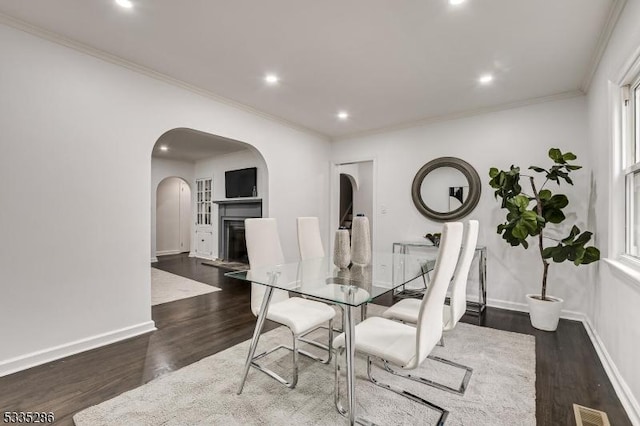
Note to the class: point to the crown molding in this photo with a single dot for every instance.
(116, 60)
(603, 41)
(462, 114)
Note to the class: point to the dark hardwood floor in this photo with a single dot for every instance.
(567, 367)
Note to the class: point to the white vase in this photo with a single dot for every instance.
(544, 314)
(360, 241)
(342, 249)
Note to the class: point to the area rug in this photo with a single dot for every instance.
(168, 287)
(501, 390)
(227, 266)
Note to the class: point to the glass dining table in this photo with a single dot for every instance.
(350, 288)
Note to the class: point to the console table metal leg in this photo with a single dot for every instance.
(483, 280)
(264, 308)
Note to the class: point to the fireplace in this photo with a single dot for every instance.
(232, 246)
(236, 246)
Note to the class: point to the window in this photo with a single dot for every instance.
(631, 164)
(203, 201)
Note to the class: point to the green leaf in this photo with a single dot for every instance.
(493, 172)
(547, 252)
(572, 234)
(591, 254)
(520, 231)
(569, 156)
(556, 155)
(522, 201)
(559, 254)
(538, 169)
(554, 215)
(545, 194)
(558, 201)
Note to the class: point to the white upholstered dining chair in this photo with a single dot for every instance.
(301, 316)
(408, 310)
(309, 240)
(403, 345)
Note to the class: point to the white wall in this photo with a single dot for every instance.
(216, 167)
(77, 133)
(521, 136)
(161, 169)
(614, 311)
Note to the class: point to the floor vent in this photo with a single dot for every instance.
(590, 417)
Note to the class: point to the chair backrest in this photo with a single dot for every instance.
(309, 241)
(429, 327)
(459, 285)
(263, 248)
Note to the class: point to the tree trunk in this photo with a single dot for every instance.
(545, 264)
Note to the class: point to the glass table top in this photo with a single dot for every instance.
(355, 286)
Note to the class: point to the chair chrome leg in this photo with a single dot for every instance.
(296, 352)
(459, 391)
(295, 362)
(443, 413)
(328, 348)
(441, 342)
(262, 315)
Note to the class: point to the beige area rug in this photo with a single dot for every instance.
(168, 287)
(501, 390)
(226, 265)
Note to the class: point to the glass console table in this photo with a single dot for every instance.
(349, 288)
(427, 249)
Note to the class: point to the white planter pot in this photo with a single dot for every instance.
(544, 314)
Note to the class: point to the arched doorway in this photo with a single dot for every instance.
(173, 216)
(206, 162)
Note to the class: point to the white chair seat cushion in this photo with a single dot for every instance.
(383, 338)
(407, 310)
(299, 314)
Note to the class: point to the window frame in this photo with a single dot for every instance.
(630, 138)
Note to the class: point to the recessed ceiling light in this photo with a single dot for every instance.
(125, 3)
(485, 79)
(343, 115)
(164, 148)
(271, 79)
(456, 2)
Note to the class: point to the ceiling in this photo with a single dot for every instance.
(191, 145)
(385, 62)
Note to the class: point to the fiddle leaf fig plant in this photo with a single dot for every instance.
(529, 214)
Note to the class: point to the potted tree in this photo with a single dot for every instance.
(529, 214)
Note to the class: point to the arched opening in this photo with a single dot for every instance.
(228, 180)
(346, 201)
(173, 216)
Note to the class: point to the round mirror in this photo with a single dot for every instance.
(446, 188)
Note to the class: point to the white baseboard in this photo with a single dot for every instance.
(205, 257)
(628, 401)
(33, 359)
(523, 307)
(167, 252)
(192, 254)
(154, 259)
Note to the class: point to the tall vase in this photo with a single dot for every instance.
(360, 241)
(342, 249)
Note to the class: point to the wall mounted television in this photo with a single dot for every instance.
(241, 183)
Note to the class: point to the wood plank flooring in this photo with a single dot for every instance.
(567, 367)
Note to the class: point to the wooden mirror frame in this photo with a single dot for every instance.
(467, 207)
